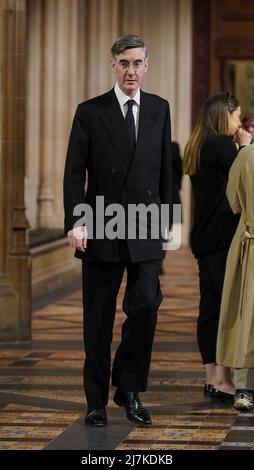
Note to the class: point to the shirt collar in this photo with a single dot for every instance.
(123, 98)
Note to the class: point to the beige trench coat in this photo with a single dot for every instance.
(235, 343)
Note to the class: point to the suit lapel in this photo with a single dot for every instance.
(147, 120)
(113, 121)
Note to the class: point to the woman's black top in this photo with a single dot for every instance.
(214, 223)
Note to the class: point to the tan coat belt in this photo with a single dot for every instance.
(246, 239)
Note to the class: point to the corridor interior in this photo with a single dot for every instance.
(41, 395)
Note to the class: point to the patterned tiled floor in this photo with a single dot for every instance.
(41, 396)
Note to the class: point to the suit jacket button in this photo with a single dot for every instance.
(149, 192)
(113, 171)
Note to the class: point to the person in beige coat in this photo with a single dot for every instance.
(235, 342)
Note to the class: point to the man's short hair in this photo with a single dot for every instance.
(247, 117)
(130, 41)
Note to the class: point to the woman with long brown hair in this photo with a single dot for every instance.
(209, 154)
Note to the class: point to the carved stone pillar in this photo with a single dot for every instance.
(15, 260)
(102, 31)
(56, 45)
(166, 28)
(33, 105)
(48, 116)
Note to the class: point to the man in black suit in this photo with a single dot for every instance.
(122, 141)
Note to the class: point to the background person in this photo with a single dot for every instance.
(235, 345)
(177, 173)
(248, 124)
(208, 156)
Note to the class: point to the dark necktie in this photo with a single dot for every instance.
(130, 124)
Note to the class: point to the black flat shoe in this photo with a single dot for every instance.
(96, 418)
(208, 389)
(223, 396)
(135, 411)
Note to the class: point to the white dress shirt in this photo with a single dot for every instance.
(122, 100)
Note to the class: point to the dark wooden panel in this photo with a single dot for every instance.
(201, 53)
(235, 48)
(241, 28)
(222, 30)
(238, 10)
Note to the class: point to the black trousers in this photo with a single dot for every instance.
(101, 283)
(211, 277)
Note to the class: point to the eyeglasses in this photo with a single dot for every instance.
(124, 64)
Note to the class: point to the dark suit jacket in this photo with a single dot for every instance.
(99, 146)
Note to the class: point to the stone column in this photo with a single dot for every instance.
(166, 28)
(56, 45)
(183, 68)
(69, 76)
(47, 114)
(15, 260)
(102, 31)
(33, 104)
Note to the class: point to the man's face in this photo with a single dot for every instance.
(130, 68)
(249, 126)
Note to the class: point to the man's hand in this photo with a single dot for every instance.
(77, 238)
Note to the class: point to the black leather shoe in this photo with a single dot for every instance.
(96, 418)
(208, 389)
(135, 411)
(223, 396)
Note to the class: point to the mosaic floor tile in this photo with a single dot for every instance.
(51, 374)
(200, 447)
(159, 446)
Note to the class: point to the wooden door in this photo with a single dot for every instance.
(223, 37)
